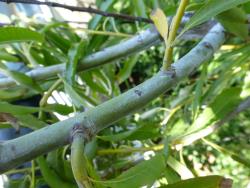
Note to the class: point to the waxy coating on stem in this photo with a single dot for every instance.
(105, 114)
(140, 42)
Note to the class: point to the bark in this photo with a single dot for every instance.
(19, 150)
(142, 41)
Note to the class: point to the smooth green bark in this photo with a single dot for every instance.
(17, 151)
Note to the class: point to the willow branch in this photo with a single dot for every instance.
(81, 9)
(187, 140)
(27, 147)
(133, 45)
(78, 159)
(173, 31)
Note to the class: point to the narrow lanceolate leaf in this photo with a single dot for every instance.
(77, 100)
(104, 6)
(117, 137)
(75, 53)
(8, 57)
(16, 109)
(21, 78)
(235, 156)
(235, 21)
(30, 121)
(18, 34)
(198, 91)
(161, 23)
(210, 9)
(180, 168)
(21, 110)
(221, 106)
(139, 8)
(126, 71)
(50, 176)
(202, 182)
(145, 173)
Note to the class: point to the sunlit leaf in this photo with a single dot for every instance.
(126, 70)
(202, 182)
(75, 53)
(21, 78)
(180, 168)
(161, 23)
(17, 34)
(210, 9)
(234, 19)
(139, 8)
(221, 106)
(145, 173)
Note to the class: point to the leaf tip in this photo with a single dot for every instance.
(226, 183)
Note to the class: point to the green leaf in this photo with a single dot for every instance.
(198, 92)
(246, 8)
(180, 168)
(8, 57)
(142, 132)
(20, 110)
(18, 34)
(21, 78)
(117, 137)
(30, 121)
(105, 5)
(145, 131)
(77, 100)
(171, 175)
(210, 9)
(221, 106)
(201, 182)
(145, 173)
(12, 94)
(50, 176)
(25, 80)
(194, 6)
(75, 53)
(126, 71)
(58, 41)
(59, 108)
(16, 109)
(91, 80)
(235, 21)
(139, 8)
(235, 156)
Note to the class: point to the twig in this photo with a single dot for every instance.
(173, 31)
(45, 97)
(135, 44)
(78, 159)
(81, 9)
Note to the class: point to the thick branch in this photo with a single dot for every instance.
(19, 150)
(136, 44)
(81, 9)
(185, 140)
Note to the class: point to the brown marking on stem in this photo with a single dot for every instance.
(208, 45)
(81, 130)
(226, 183)
(138, 92)
(13, 148)
(171, 72)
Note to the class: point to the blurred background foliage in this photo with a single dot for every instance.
(204, 98)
